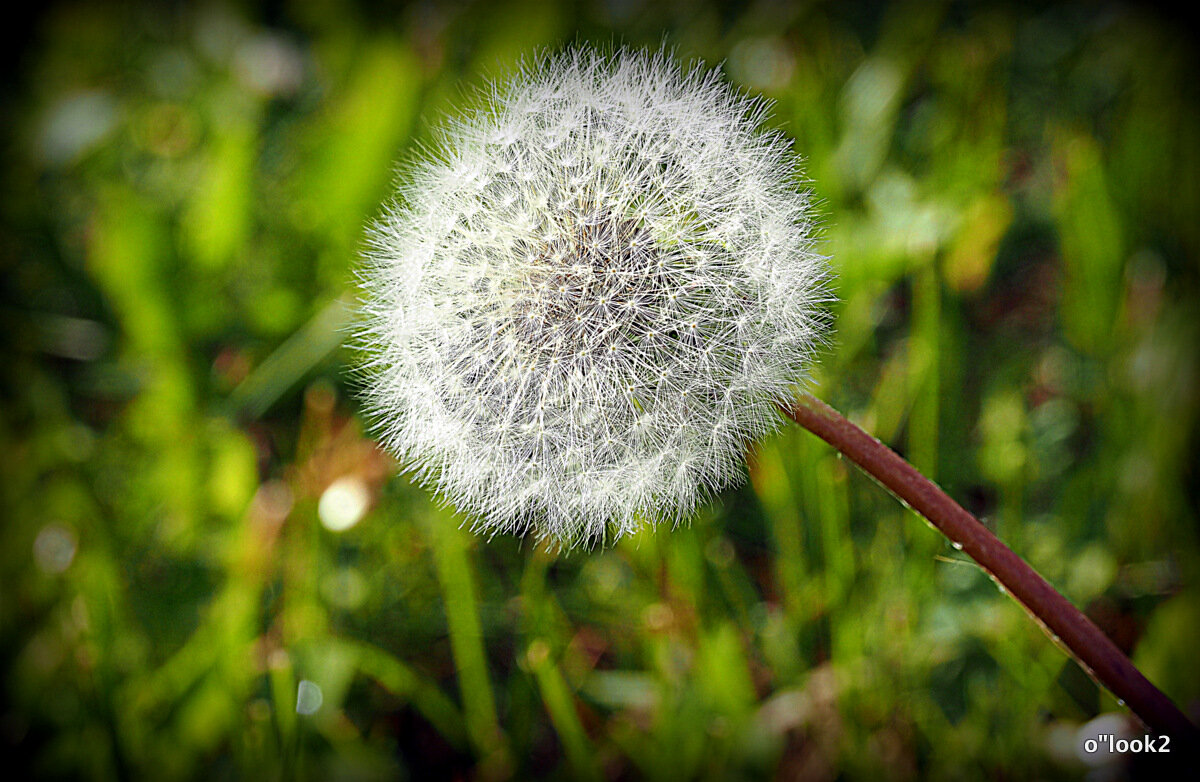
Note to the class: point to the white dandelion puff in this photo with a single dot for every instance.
(581, 311)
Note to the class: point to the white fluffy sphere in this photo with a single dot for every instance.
(596, 294)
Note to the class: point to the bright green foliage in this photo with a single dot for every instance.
(210, 571)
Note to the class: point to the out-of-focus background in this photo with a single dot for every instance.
(209, 570)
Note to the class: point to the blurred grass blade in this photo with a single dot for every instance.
(466, 636)
(560, 705)
(400, 680)
(292, 360)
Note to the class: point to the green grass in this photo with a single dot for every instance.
(1009, 198)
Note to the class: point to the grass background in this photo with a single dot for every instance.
(1010, 196)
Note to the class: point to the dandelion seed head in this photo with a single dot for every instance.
(585, 306)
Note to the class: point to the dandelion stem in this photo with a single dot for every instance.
(1066, 624)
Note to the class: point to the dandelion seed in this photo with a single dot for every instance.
(614, 157)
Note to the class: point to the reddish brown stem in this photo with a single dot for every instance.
(1063, 621)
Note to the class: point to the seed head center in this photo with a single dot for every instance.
(590, 288)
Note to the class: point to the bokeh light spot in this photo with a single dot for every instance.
(308, 697)
(344, 503)
(54, 548)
